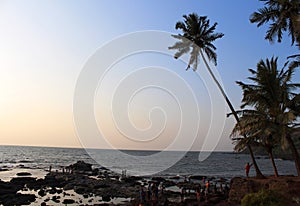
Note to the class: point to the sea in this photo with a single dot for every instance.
(133, 162)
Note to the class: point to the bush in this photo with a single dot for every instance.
(264, 198)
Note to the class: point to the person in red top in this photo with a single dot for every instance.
(247, 168)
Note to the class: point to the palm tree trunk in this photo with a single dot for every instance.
(259, 175)
(257, 170)
(295, 153)
(270, 152)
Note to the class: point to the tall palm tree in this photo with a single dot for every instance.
(272, 93)
(197, 38)
(261, 131)
(283, 15)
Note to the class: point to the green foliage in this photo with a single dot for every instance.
(264, 198)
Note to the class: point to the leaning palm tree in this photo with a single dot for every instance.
(272, 92)
(284, 15)
(197, 38)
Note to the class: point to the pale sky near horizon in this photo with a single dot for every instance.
(45, 45)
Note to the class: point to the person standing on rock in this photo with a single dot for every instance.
(247, 168)
(198, 194)
(142, 196)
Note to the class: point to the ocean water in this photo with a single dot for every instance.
(217, 164)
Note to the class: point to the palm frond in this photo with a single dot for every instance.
(199, 35)
(283, 16)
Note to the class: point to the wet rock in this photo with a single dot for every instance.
(53, 191)
(158, 179)
(101, 186)
(81, 166)
(132, 179)
(80, 190)
(42, 193)
(68, 201)
(25, 161)
(211, 178)
(56, 199)
(35, 185)
(106, 198)
(197, 177)
(7, 188)
(18, 199)
(22, 180)
(55, 180)
(169, 183)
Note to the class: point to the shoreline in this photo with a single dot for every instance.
(83, 185)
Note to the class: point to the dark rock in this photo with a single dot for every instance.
(101, 186)
(197, 177)
(25, 161)
(22, 180)
(35, 185)
(7, 188)
(43, 204)
(80, 190)
(81, 166)
(158, 179)
(68, 201)
(114, 177)
(17, 199)
(169, 183)
(211, 178)
(56, 199)
(59, 191)
(106, 198)
(53, 191)
(104, 168)
(55, 180)
(42, 193)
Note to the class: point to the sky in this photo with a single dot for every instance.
(45, 46)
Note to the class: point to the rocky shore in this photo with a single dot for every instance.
(79, 184)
